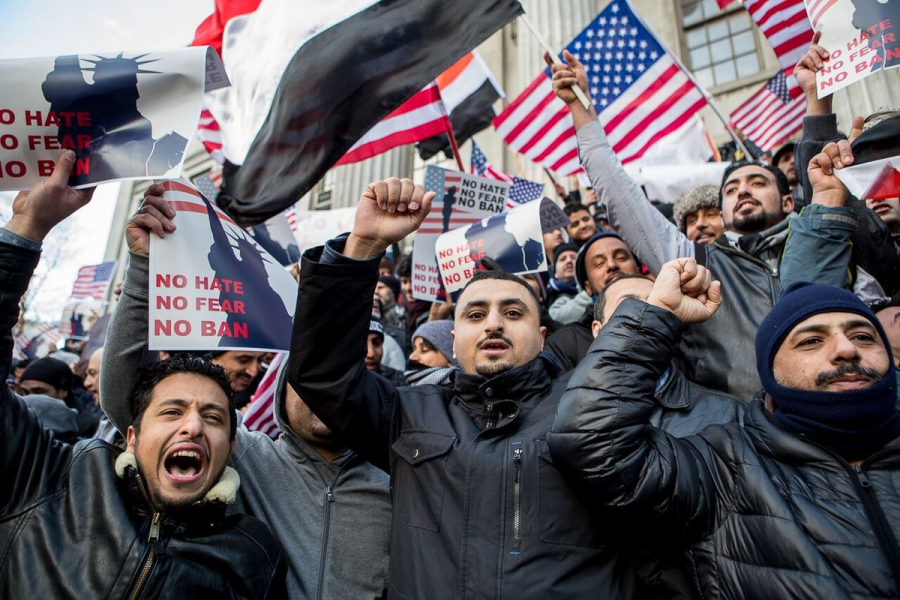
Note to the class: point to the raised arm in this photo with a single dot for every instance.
(331, 323)
(602, 433)
(31, 462)
(653, 238)
(126, 340)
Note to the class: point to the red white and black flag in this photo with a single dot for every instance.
(309, 78)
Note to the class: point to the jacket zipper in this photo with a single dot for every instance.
(329, 500)
(886, 538)
(517, 497)
(152, 538)
(775, 288)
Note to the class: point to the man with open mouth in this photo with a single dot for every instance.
(90, 521)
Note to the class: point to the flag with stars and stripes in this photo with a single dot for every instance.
(261, 413)
(93, 281)
(639, 91)
(482, 168)
(522, 191)
(773, 114)
(785, 25)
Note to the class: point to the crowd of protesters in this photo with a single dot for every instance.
(693, 401)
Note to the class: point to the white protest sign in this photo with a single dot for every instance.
(212, 287)
(863, 37)
(125, 115)
(316, 227)
(514, 240)
(876, 180)
(461, 199)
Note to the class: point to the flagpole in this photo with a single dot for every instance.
(706, 95)
(455, 147)
(553, 56)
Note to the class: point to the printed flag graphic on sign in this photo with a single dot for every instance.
(639, 91)
(304, 90)
(212, 287)
(93, 281)
(773, 114)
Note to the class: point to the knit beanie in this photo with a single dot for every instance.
(580, 269)
(50, 371)
(855, 423)
(564, 247)
(437, 333)
(703, 196)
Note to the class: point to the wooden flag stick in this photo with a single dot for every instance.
(579, 93)
(455, 147)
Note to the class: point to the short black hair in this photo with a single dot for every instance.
(404, 266)
(503, 276)
(571, 209)
(600, 303)
(153, 375)
(781, 180)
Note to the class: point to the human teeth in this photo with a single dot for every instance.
(188, 453)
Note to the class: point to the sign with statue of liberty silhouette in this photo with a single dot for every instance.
(212, 286)
(461, 199)
(126, 115)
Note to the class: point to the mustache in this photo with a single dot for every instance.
(494, 336)
(847, 369)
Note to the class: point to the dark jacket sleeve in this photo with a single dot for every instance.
(818, 130)
(32, 461)
(602, 433)
(328, 346)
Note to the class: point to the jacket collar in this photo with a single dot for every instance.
(496, 401)
(770, 438)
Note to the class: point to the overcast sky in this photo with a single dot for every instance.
(54, 27)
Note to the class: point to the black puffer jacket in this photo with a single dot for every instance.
(71, 527)
(480, 510)
(761, 512)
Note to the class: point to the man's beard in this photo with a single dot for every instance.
(492, 369)
(167, 505)
(752, 223)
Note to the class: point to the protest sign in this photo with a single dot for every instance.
(125, 116)
(79, 316)
(461, 200)
(212, 287)
(276, 238)
(876, 180)
(863, 37)
(316, 227)
(514, 240)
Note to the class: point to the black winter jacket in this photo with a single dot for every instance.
(761, 512)
(480, 510)
(71, 527)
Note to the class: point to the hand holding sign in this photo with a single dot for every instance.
(51, 201)
(388, 211)
(154, 215)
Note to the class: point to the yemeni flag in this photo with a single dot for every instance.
(875, 172)
(469, 92)
(310, 78)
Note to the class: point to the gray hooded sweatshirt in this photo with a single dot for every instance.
(333, 518)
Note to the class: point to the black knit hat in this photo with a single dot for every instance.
(50, 371)
(564, 247)
(391, 282)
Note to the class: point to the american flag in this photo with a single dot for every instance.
(482, 168)
(210, 135)
(522, 191)
(773, 114)
(639, 91)
(93, 280)
(785, 24)
(261, 414)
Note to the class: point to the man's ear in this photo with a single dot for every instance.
(787, 203)
(587, 287)
(130, 437)
(453, 335)
(596, 326)
(543, 336)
